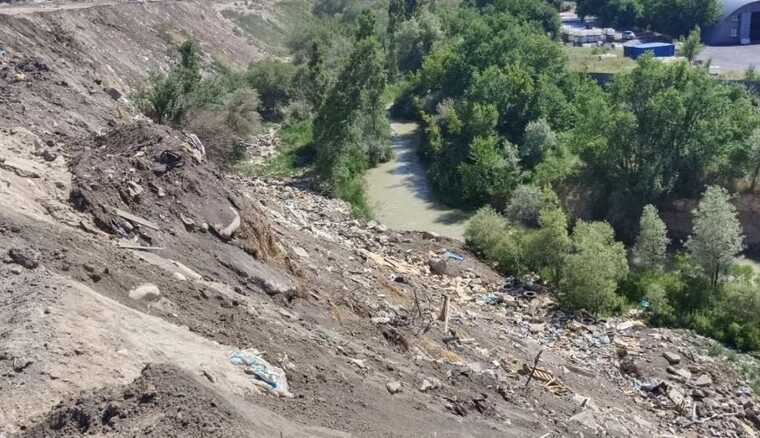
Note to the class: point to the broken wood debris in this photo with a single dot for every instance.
(125, 245)
(135, 219)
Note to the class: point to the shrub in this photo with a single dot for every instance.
(489, 234)
(525, 204)
(484, 230)
(274, 82)
(592, 270)
(652, 241)
(547, 247)
(168, 97)
(224, 128)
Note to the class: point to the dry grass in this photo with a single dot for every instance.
(598, 60)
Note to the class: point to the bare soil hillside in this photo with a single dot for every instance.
(144, 292)
(66, 72)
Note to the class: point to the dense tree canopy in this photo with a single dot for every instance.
(673, 17)
(662, 131)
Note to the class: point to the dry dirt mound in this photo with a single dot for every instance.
(140, 179)
(164, 401)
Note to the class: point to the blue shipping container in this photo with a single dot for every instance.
(659, 50)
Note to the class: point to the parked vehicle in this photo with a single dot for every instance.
(629, 35)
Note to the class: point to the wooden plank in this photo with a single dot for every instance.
(135, 219)
(138, 247)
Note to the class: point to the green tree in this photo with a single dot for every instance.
(317, 80)
(351, 119)
(593, 268)
(717, 236)
(525, 204)
(652, 241)
(274, 82)
(548, 246)
(679, 17)
(672, 17)
(366, 25)
(414, 39)
(752, 160)
(663, 132)
(538, 139)
(691, 45)
(489, 172)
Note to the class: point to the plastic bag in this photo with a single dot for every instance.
(267, 375)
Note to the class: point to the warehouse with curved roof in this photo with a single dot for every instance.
(738, 24)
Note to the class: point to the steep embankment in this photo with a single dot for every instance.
(134, 269)
(67, 72)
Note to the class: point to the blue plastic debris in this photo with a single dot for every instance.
(454, 256)
(492, 299)
(266, 375)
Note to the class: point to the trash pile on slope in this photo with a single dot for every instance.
(263, 147)
(700, 396)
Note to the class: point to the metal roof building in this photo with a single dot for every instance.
(738, 24)
(659, 50)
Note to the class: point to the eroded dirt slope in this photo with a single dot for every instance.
(68, 72)
(134, 271)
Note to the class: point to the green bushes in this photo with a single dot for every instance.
(585, 267)
(490, 235)
(592, 269)
(169, 97)
(589, 270)
(221, 109)
(274, 83)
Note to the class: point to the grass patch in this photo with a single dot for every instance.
(598, 60)
(747, 365)
(353, 192)
(294, 158)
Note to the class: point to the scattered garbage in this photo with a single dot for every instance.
(266, 375)
(453, 256)
(491, 299)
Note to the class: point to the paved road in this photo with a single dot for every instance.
(732, 58)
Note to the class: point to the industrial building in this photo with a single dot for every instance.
(659, 50)
(738, 24)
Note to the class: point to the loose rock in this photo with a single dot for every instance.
(394, 387)
(25, 257)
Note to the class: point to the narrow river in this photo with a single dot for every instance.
(399, 194)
